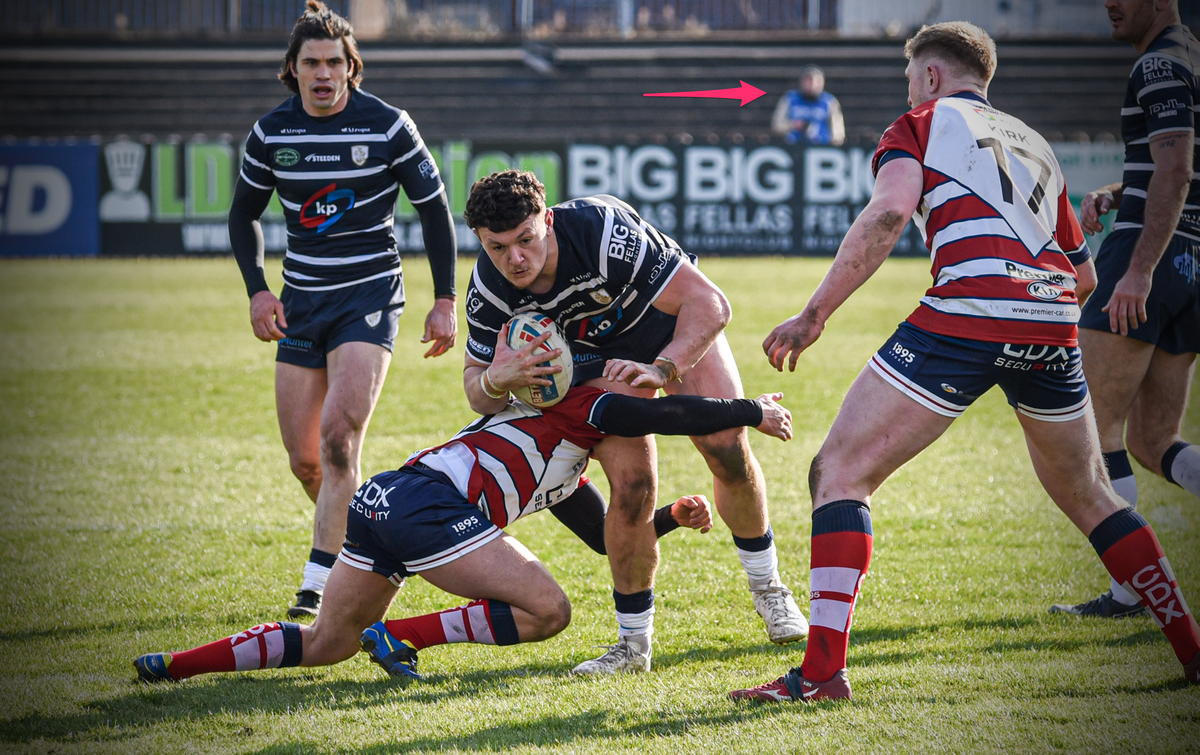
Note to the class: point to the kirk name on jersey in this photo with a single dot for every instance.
(994, 214)
(612, 266)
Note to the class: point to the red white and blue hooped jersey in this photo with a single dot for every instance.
(1002, 234)
(521, 460)
(338, 178)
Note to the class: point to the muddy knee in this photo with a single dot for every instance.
(728, 456)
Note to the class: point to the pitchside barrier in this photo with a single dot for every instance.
(130, 198)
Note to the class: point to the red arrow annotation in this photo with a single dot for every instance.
(746, 93)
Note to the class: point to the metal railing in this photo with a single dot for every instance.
(413, 18)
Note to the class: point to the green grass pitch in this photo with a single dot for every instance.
(146, 504)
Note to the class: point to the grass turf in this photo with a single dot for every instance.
(146, 504)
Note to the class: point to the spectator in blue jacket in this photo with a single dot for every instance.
(809, 115)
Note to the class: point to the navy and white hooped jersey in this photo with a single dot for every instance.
(521, 460)
(338, 179)
(1002, 234)
(612, 266)
(1163, 96)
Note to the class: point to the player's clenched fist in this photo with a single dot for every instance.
(693, 511)
(1095, 205)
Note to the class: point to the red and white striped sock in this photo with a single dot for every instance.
(1132, 554)
(274, 645)
(841, 553)
(488, 622)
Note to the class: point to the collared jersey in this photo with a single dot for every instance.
(521, 460)
(815, 113)
(995, 216)
(612, 266)
(1162, 96)
(338, 179)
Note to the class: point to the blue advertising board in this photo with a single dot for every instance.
(48, 200)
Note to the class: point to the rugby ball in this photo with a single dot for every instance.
(523, 329)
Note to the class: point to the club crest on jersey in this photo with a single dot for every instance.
(359, 153)
(286, 157)
(600, 296)
(326, 207)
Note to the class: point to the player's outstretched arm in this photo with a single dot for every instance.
(867, 244)
(631, 417)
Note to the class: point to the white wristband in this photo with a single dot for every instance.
(484, 379)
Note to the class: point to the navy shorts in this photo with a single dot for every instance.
(1173, 308)
(411, 519)
(642, 344)
(946, 375)
(320, 321)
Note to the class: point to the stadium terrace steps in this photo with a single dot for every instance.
(490, 94)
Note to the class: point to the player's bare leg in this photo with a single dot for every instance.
(1066, 457)
(1139, 394)
(1156, 418)
(631, 466)
(353, 600)
(877, 429)
(513, 599)
(299, 395)
(355, 373)
(740, 495)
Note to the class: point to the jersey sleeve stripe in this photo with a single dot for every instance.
(423, 200)
(255, 184)
(408, 155)
(257, 131)
(255, 163)
(400, 121)
(1163, 85)
(486, 293)
(1170, 130)
(1131, 111)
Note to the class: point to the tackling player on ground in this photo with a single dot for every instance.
(337, 157)
(442, 515)
(1141, 331)
(1009, 261)
(640, 317)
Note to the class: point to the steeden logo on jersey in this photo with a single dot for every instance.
(326, 207)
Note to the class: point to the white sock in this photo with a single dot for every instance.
(762, 567)
(315, 577)
(1127, 488)
(631, 624)
(1185, 469)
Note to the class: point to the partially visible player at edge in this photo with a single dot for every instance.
(337, 157)
(442, 516)
(639, 316)
(1141, 331)
(1009, 260)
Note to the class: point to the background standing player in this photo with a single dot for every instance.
(1141, 331)
(1008, 257)
(639, 317)
(809, 115)
(337, 157)
(442, 516)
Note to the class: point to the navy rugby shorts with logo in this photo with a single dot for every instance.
(320, 321)
(946, 375)
(411, 519)
(1173, 308)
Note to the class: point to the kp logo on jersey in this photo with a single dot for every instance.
(326, 207)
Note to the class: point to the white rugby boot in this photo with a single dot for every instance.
(630, 654)
(777, 607)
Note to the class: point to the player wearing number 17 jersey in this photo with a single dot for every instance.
(1008, 263)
